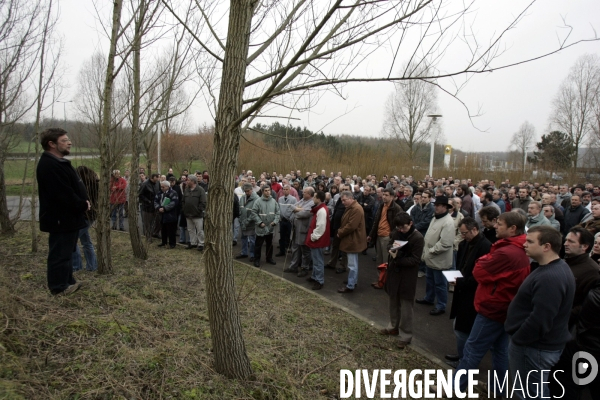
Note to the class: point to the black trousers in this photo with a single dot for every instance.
(285, 231)
(60, 261)
(168, 230)
(258, 244)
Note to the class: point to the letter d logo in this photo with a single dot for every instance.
(583, 363)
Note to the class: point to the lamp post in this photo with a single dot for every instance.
(64, 110)
(434, 118)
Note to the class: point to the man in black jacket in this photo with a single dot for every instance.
(63, 203)
(578, 244)
(148, 190)
(574, 214)
(463, 311)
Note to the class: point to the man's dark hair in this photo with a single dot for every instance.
(390, 191)
(465, 189)
(513, 218)
(172, 179)
(51, 135)
(320, 195)
(489, 212)
(402, 219)
(154, 176)
(488, 196)
(548, 234)
(585, 237)
(469, 223)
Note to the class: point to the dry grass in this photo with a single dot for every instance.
(143, 333)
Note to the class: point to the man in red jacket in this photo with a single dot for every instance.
(118, 198)
(317, 238)
(499, 275)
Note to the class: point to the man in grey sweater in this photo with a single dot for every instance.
(538, 317)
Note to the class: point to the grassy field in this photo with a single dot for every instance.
(143, 333)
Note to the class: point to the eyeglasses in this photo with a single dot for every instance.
(463, 233)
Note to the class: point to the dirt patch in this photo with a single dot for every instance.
(143, 332)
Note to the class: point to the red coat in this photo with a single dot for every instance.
(323, 241)
(275, 187)
(117, 191)
(500, 274)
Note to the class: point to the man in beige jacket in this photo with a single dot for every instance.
(437, 255)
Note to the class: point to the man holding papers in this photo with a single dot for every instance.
(463, 311)
(405, 249)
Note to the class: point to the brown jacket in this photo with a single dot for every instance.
(393, 210)
(352, 232)
(592, 225)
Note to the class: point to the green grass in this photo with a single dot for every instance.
(144, 332)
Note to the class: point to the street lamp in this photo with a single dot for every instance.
(434, 118)
(64, 109)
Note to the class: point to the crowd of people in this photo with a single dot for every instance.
(529, 283)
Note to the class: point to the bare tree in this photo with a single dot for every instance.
(406, 110)
(21, 34)
(103, 218)
(574, 105)
(522, 141)
(89, 106)
(298, 48)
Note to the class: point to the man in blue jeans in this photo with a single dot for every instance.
(538, 317)
(353, 237)
(499, 275)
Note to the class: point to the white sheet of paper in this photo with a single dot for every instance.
(452, 275)
(398, 244)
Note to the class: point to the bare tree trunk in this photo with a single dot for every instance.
(137, 244)
(226, 330)
(103, 221)
(6, 225)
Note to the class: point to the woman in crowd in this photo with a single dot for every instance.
(335, 193)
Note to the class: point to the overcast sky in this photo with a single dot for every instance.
(506, 98)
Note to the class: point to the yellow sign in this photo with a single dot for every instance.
(448, 149)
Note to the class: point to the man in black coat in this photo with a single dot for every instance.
(148, 190)
(463, 311)
(574, 214)
(63, 203)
